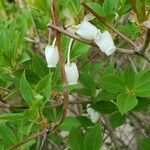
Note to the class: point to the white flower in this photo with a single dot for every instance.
(72, 73)
(105, 42)
(94, 115)
(86, 30)
(51, 55)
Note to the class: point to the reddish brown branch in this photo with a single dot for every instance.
(61, 60)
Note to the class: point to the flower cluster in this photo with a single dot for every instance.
(103, 40)
(52, 58)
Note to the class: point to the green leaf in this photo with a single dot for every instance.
(79, 49)
(105, 96)
(129, 77)
(112, 84)
(104, 107)
(109, 6)
(97, 8)
(126, 102)
(143, 105)
(69, 123)
(93, 139)
(144, 143)
(117, 120)
(13, 116)
(142, 87)
(26, 90)
(76, 139)
(39, 66)
(131, 30)
(24, 57)
(85, 121)
(7, 135)
(44, 87)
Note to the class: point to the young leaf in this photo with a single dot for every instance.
(112, 84)
(109, 6)
(126, 102)
(39, 66)
(93, 139)
(44, 87)
(97, 8)
(76, 139)
(26, 90)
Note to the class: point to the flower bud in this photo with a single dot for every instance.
(72, 73)
(105, 42)
(51, 55)
(86, 30)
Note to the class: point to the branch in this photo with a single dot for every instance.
(109, 26)
(61, 61)
(27, 140)
(120, 50)
(5, 89)
(65, 32)
(146, 41)
(53, 104)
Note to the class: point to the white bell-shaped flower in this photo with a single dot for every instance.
(86, 30)
(94, 115)
(51, 55)
(105, 42)
(72, 73)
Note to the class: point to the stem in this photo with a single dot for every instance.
(61, 62)
(54, 42)
(69, 49)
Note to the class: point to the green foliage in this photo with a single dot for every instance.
(44, 87)
(26, 90)
(76, 139)
(117, 120)
(90, 141)
(31, 93)
(93, 139)
(7, 135)
(144, 143)
(126, 102)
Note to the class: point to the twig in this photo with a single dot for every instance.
(111, 134)
(120, 50)
(146, 41)
(109, 26)
(136, 124)
(5, 89)
(27, 140)
(52, 105)
(89, 59)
